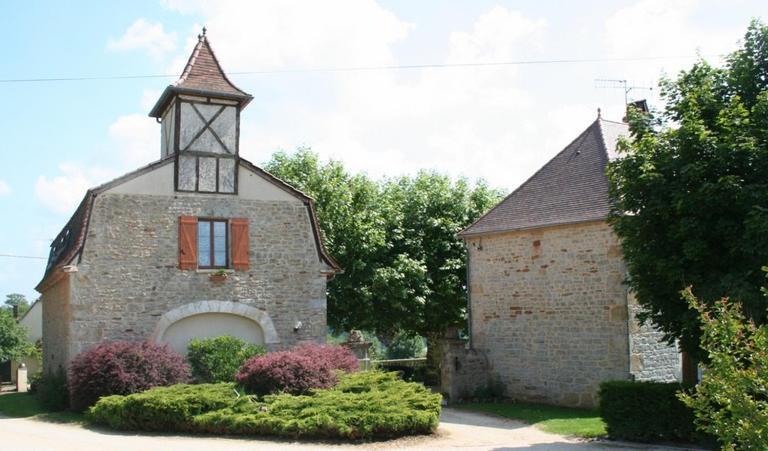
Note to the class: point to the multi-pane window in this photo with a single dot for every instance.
(212, 244)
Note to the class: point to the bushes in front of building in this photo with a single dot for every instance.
(297, 371)
(362, 405)
(121, 368)
(646, 412)
(730, 402)
(218, 359)
(330, 356)
(51, 389)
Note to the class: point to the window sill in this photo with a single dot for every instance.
(212, 271)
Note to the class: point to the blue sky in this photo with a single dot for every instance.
(498, 123)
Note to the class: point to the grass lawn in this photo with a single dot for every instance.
(557, 420)
(24, 405)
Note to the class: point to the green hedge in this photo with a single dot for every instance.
(645, 411)
(217, 359)
(363, 405)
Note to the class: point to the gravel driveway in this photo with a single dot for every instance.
(458, 430)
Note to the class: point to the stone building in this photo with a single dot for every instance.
(198, 243)
(550, 316)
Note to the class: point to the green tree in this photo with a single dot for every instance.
(347, 207)
(405, 346)
(690, 194)
(13, 338)
(404, 268)
(423, 215)
(17, 300)
(730, 402)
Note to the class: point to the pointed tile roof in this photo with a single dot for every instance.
(202, 75)
(572, 187)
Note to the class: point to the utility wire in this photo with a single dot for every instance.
(23, 256)
(366, 68)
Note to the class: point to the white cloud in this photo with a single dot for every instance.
(474, 122)
(273, 34)
(145, 35)
(5, 189)
(664, 28)
(136, 138)
(62, 193)
(149, 98)
(469, 121)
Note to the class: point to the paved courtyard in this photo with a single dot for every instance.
(458, 430)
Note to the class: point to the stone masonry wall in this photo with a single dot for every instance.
(56, 316)
(463, 370)
(651, 359)
(129, 277)
(548, 309)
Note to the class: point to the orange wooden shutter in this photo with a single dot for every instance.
(187, 242)
(239, 228)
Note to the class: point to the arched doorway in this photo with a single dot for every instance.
(206, 319)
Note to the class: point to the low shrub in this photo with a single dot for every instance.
(362, 406)
(218, 359)
(492, 390)
(162, 408)
(645, 411)
(306, 366)
(51, 390)
(121, 368)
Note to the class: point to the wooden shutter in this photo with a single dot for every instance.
(187, 242)
(239, 230)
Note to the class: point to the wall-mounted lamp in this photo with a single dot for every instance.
(297, 326)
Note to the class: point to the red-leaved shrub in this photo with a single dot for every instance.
(284, 371)
(122, 368)
(296, 371)
(335, 357)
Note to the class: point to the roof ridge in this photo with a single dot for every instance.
(581, 135)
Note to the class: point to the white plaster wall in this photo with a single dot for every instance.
(208, 325)
(159, 182)
(33, 322)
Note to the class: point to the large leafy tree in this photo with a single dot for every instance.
(691, 191)
(13, 338)
(347, 207)
(404, 268)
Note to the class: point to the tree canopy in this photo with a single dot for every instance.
(404, 268)
(16, 300)
(690, 194)
(13, 338)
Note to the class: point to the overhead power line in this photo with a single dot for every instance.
(23, 256)
(365, 68)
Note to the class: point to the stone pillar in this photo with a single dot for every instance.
(21, 379)
(359, 347)
(463, 370)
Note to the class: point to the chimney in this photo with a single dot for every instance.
(640, 105)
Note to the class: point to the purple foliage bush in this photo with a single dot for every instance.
(297, 371)
(122, 368)
(335, 357)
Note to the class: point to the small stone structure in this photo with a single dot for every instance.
(357, 344)
(200, 243)
(549, 310)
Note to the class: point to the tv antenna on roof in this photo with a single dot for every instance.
(604, 83)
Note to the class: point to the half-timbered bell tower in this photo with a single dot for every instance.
(200, 119)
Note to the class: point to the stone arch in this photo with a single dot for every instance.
(260, 317)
